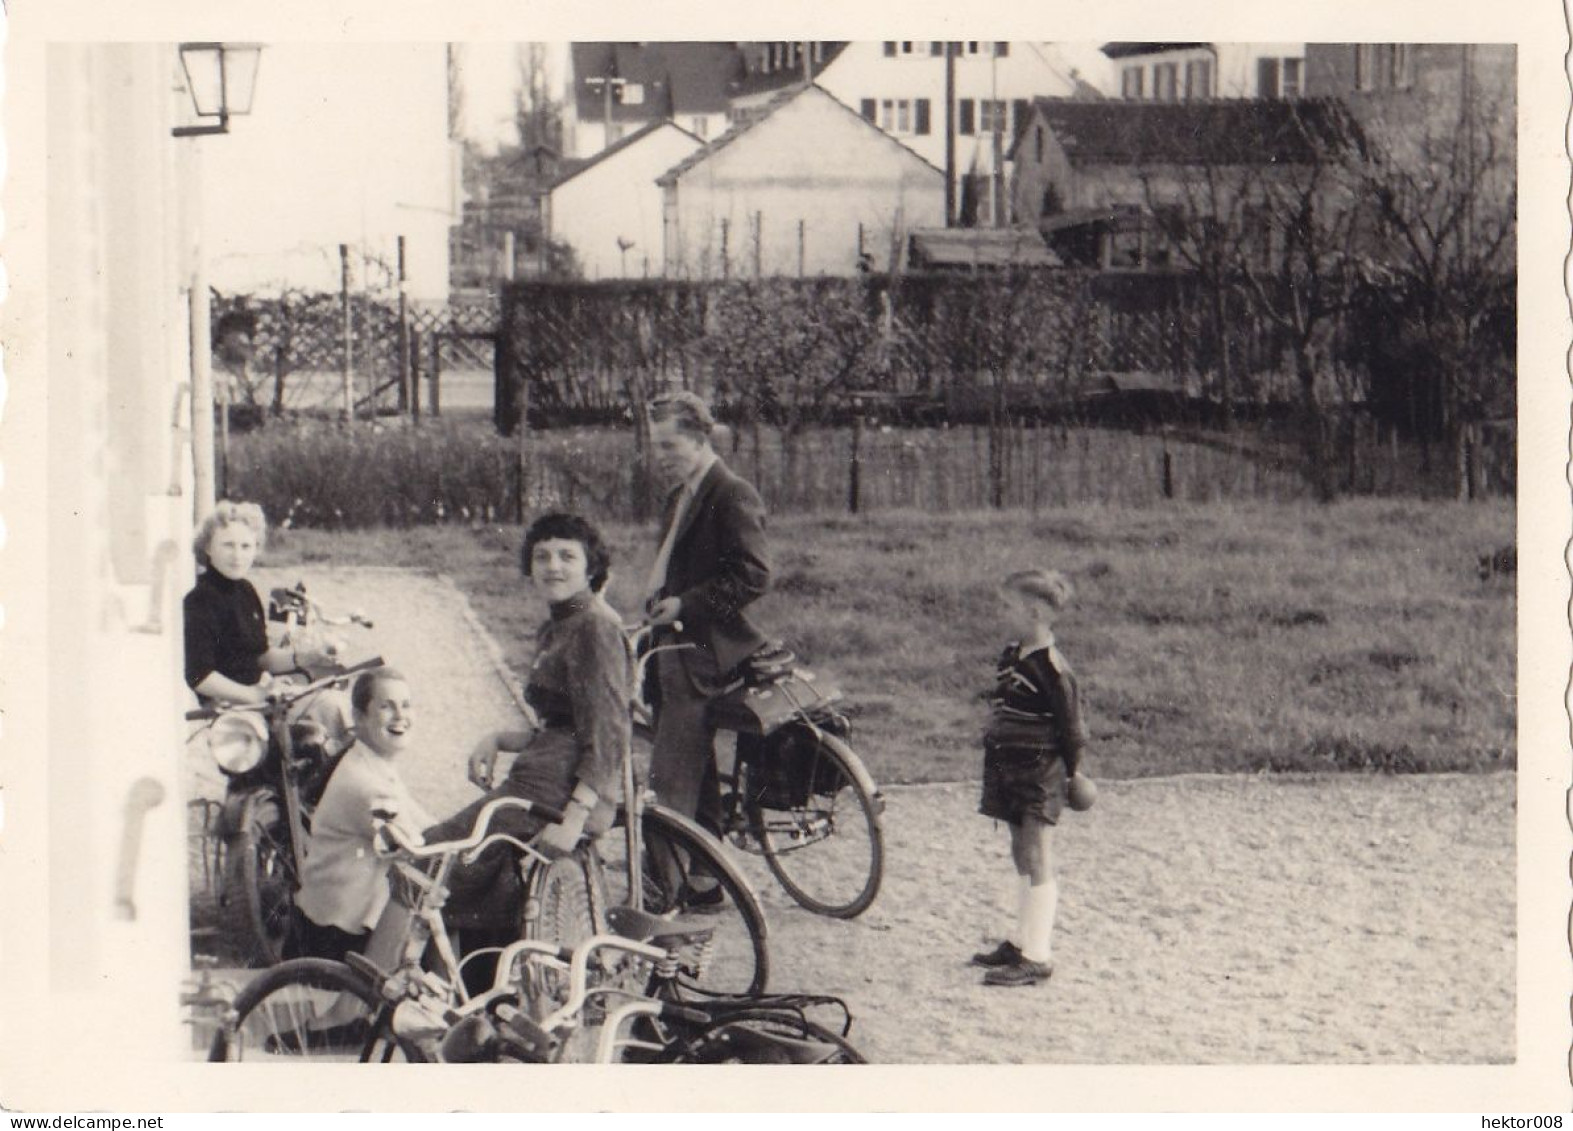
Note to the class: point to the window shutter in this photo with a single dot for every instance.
(869, 111)
(936, 48)
(1001, 50)
(964, 114)
(890, 47)
(921, 124)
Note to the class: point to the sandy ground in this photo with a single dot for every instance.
(1202, 919)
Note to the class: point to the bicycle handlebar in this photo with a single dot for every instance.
(287, 698)
(479, 834)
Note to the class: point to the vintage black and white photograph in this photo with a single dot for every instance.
(804, 552)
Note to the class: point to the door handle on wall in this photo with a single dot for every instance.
(145, 794)
(180, 434)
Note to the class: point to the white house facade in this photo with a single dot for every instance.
(1191, 72)
(899, 85)
(810, 188)
(609, 211)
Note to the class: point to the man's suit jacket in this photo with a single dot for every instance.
(718, 567)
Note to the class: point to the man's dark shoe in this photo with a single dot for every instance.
(1006, 954)
(1023, 973)
(701, 901)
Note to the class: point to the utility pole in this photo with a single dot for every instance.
(997, 181)
(607, 84)
(950, 134)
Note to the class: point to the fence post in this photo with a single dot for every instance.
(348, 410)
(436, 372)
(404, 334)
(802, 240)
(278, 380)
(759, 240)
(415, 376)
(855, 471)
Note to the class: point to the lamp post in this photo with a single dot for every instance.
(221, 79)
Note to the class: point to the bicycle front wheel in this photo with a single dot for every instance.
(829, 851)
(265, 866)
(684, 871)
(311, 1009)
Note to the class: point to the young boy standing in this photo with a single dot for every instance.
(1031, 751)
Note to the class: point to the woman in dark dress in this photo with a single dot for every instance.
(578, 688)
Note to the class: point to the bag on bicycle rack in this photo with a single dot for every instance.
(764, 707)
(783, 769)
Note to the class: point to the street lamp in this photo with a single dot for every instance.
(221, 78)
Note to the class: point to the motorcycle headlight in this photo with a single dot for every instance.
(238, 740)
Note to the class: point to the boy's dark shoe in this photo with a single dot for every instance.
(1006, 954)
(1023, 973)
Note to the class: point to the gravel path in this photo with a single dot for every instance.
(1202, 920)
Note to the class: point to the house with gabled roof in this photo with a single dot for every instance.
(1090, 175)
(616, 89)
(809, 187)
(608, 208)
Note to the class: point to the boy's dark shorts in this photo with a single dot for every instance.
(1022, 782)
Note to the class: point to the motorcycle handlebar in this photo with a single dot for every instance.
(285, 698)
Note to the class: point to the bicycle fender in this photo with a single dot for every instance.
(659, 814)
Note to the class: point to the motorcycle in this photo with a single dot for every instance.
(276, 758)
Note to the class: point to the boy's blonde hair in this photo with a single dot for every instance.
(227, 513)
(1048, 586)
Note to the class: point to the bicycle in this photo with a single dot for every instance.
(548, 1004)
(656, 1025)
(273, 1015)
(275, 768)
(795, 792)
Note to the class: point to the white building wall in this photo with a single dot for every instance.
(619, 199)
(862, 71)
(800, 185)
(108, 939)
(1234, 66)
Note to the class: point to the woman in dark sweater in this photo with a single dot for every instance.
(578, 688)
(228, 655)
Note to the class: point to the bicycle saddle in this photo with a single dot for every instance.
(642, 926)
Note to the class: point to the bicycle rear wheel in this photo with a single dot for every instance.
(311, 1009)
(828, 853)
(681, 865)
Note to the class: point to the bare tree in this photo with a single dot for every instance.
(1439, 270)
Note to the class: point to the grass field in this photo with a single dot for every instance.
(1207, 638)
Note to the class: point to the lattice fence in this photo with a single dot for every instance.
(290, 352)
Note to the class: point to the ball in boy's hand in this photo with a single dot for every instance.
(1080, 792)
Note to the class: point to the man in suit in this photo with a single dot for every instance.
(710, 567)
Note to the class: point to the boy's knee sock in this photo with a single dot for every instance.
(1018, 929)
(1037, 919)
